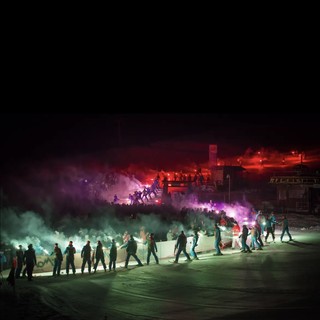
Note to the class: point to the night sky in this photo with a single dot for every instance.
(41, 136)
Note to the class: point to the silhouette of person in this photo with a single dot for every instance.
(152, 248)
(30, 260)
(70, 251)
(100, 257)
(217, 234)
(57, 260)
(194, 244)
(131, 248)
(86, 256)
(113, 255)
(285, 229)
(254, 238)
(244, 237)
(181, 246)
(273, 221)
(269, 229)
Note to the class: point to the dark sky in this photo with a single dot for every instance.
(41, 136)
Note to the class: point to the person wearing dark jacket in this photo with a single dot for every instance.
(152, 248)
(180, 246)
(86, 256)
(99, 257)
(113, 255)
(269, 229)
(131, 248)
(244, 237)
(30, 261)
(70, 252)
(285, 229)
(217, 234)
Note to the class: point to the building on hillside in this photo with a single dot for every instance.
(228, 176)
(298, 193)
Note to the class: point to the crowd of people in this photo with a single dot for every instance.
(248, 239)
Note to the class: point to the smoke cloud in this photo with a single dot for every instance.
(59, 201)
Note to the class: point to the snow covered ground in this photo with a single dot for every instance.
(281, 280)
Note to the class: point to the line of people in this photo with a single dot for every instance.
(94, 257)
(256, 234)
